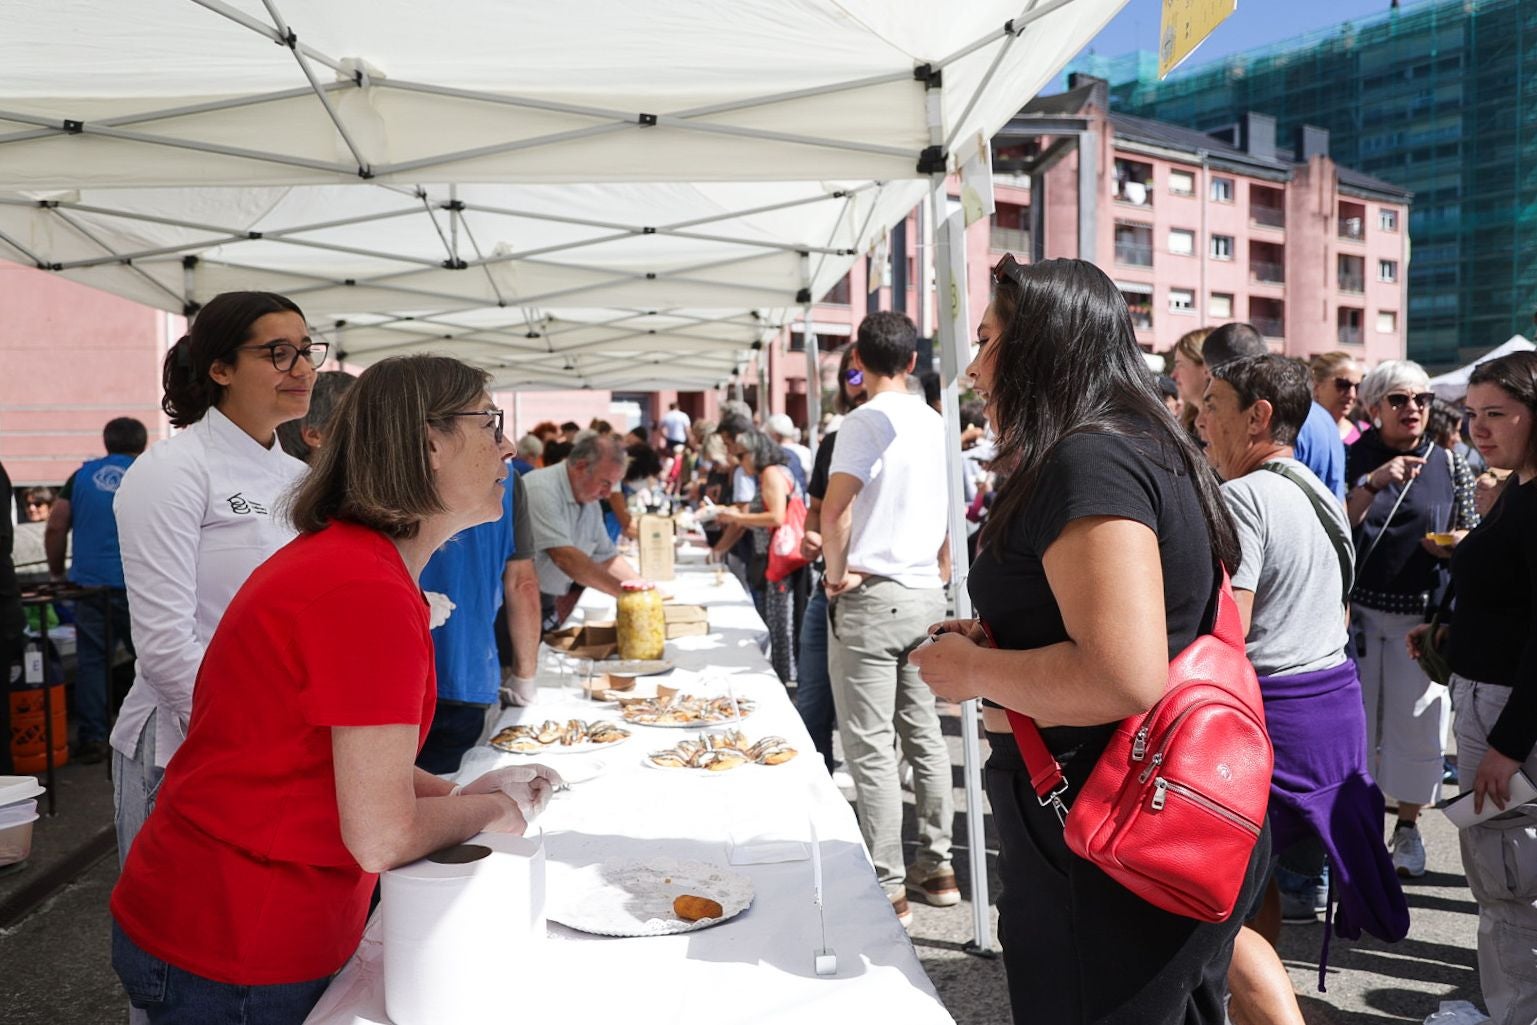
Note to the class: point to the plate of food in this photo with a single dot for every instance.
(684, 710)
(550, 737)
(657, 897)
(717, 753)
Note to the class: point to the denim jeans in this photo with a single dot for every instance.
(135, 782)
(93, 676)
(171, 996)
(456, 727)
(814, 688)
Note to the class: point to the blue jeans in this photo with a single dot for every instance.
(93, 676)
(814, 688)
(171, 996)
(135, 785)
(456, 727)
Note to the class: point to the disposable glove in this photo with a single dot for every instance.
(518, 691)
(530, 786)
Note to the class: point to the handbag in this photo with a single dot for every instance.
(784, 550)
(1175, 804)
(1433, 661)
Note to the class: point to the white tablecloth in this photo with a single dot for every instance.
(755, 968)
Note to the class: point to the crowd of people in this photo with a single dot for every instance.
(333, 584)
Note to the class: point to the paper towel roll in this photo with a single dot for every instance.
(459, 925)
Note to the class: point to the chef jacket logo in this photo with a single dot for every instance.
(107, 478)
(242, 506)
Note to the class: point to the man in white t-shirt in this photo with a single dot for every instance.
(675, 425)
(883, 533)
(783, 430)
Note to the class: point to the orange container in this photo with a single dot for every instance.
(29, 736)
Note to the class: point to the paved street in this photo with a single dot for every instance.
(56, 966)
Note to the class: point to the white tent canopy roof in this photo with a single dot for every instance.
(1453, 384)
(194, 92)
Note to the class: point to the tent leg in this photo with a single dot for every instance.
(950, 268)
(813, 381)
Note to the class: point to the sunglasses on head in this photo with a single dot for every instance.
(1345, 384)
(1422, 400)
(1009, 269)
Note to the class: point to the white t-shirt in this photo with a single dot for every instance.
(196, 514)
(895, 446)
(675, 425)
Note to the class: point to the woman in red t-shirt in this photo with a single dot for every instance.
(249, 884)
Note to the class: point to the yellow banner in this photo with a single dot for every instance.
(1185, 26)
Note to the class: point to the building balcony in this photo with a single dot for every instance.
(1349, 335)
(1267, 273)
(1268, 327)
(1135, 254)
(1134, 193)
(1269, 216)
(1355, 284)
(1009, 240)
(1353, 229)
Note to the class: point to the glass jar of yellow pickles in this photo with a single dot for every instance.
(642, 626)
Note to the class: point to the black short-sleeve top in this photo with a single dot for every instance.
(1136, 477)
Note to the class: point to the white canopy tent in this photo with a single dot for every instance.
(192, 95)
(1453, 384)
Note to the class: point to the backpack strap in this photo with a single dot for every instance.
(1337, 537)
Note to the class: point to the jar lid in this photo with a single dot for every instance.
(637, 585)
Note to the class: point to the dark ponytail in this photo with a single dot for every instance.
(217, 332)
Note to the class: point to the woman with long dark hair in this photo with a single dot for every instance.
(198, 512)
(1095, 569)
(1493, 656)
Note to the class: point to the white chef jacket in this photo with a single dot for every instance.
(196, 514)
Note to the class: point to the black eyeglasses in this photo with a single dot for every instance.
(1345, 384)
(285, 356)
(497, 419)
(1010, 269)
(1422, 400)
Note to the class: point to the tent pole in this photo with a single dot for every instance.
(813, 381)
(950, 267)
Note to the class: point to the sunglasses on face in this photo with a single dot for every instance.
(855, 376)
(285, 356)
(1345, 384)
(495, 419)
(1422, 400)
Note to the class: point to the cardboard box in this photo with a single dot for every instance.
(595, 640)
(654, 541)
(686, 620)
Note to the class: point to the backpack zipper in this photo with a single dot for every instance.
(1162, 786)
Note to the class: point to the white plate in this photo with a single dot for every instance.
(634, 898)
(698, 724)
(19, 788)
(633, 666)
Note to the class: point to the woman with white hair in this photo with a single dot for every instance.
(1403, 488)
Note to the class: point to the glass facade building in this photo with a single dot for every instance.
(1439, 98)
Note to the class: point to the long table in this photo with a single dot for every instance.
(758, 967)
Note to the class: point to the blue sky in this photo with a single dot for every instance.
(1255, 23)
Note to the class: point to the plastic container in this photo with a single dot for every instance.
(16, 831)
(642, 623)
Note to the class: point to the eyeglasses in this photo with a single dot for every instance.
(1423, 399)
(496, 420)
(285, 356)
(1009, 269)
(1345, 384)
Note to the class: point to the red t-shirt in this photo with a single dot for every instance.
(240, 875)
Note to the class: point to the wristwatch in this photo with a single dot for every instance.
(1365, 481)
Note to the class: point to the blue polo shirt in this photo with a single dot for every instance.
(1319, 448)
(96, 560)
(468, 568)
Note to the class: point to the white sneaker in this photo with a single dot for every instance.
(1408, 851)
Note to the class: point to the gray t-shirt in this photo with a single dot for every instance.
(560, 521)
(1293, 568)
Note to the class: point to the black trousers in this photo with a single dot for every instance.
(1079, 947)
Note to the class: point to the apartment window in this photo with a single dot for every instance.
(1387, 220)
(1387, 270)
(1139, 302)
(1222, 247)
(1220, 306)
(1387, 322)
(1181, 300)
(1222, 190)
(1181, 242)
(1351, 273)
(1134, 182)
(1134, 244)
(1181, 183)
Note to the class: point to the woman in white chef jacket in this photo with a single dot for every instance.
(199, 511)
